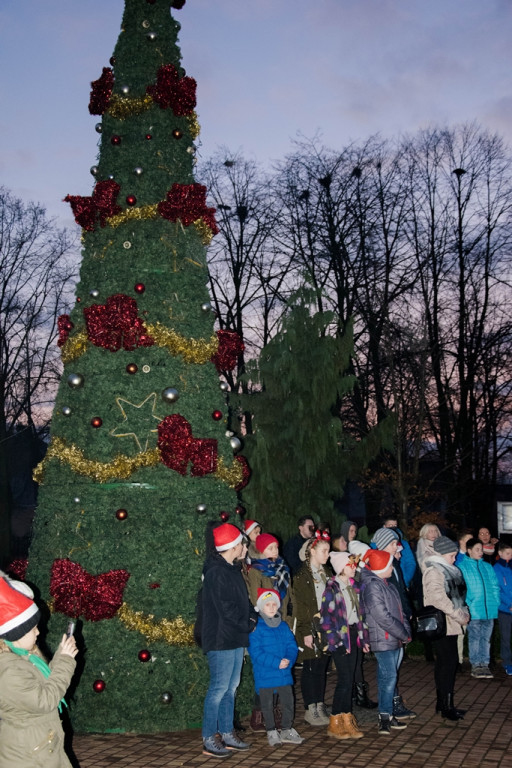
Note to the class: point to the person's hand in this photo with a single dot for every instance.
(68, 647)
(308, 641)
(366, 648)
(284, 663)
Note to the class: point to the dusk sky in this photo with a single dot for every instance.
(267, 70)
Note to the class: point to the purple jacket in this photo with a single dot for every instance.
(381, 605)
(333, 618)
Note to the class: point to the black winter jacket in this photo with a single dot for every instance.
(227, 614)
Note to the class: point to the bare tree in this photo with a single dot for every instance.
(35, 270)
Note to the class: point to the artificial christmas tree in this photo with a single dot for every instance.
(139, 451)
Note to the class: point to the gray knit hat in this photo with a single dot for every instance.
(443, 545)
(384, 536)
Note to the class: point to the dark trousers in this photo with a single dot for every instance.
(312, 681)
(346, 665)
(285, 693)
(445, 667)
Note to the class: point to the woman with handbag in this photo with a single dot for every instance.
(445, 589)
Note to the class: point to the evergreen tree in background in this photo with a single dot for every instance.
(139, 457)
(300, 453)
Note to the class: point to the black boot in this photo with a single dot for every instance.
(448, 711)
(439, 702)
(361, 697)
(460, 712)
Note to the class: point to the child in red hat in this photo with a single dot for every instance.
(30, 689)
(273, 652)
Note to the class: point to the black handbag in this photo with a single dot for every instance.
(430, 623)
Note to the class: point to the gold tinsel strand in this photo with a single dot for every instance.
(175, 632)
(121, 107)
(203, 231)
(119, 468)
(74, 347)
(133, 214)
(232, 475)
(193, 125)
(192, 350)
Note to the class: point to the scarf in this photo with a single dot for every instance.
(271, 621)
(36, 661)
(277, 570)
(454, 583)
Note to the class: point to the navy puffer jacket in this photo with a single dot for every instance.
(387, 625)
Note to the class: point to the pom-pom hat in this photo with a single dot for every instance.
(384, 536)
(358, 548)
(265, 596)
(378, 561)
(264, 540)
(226, 536)
(250, 525)
(443, 545)
(340, 559)
(18, 613)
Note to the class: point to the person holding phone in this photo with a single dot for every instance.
(31, 690)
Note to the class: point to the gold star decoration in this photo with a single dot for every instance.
(139, 425)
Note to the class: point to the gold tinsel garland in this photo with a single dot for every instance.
(133, 214)
(175, 632)
(122, 107)
(193, 125)
(197, 351)
(121, 467)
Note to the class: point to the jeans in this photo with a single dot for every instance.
(219, 704)
(505, 622)
(388, 663)
(479, 641)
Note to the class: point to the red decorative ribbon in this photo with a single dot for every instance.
(173, 91)
(320, 536)
(230, 348)
(178, 447)
(115, 324)
(64, 325)
(100, 206)
(101, 91)
(77, 592)
(187, 202)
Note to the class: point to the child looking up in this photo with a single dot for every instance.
(273, 652)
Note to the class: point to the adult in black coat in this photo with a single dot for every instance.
(293, 546)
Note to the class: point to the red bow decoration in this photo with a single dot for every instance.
(101, 91)
(187, 202)
(64, 325)
(230, 348)
(77, 592)
(321, 536)
(172, 91)
(101, 205)
(178, 447)
(116, 324)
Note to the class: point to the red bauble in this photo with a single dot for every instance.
(132, 368)
(115, 140)
(217, 415)
(112, 61)
(139, 288)
(99, 686)
(131, 200)
(224, 516)
(240, 510)
(148, 136)
(96, 422)
(144, 655)
(121, 514)
(78, 299)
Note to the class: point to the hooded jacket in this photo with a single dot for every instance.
(382, 608)
(503, 571)
(226, 609)
(31, 734)
(267, 646)
(483, 595)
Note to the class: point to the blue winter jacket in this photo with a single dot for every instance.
(483, 595)
(407, 561)
(267, 646)
(503, 571)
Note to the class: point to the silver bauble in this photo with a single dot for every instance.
(206, 306)
(235, 443)
(151, 36)
(224, 386)
(137, 170)
(66, 410)
(75, 380)
(77, 500)
(146, 24)
(94, 170)
(170, 395)
(94, 293)
(201, 509)
(98, 127)
(125, 89)
(166, 697)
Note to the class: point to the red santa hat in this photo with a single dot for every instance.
(250, 525)
(18, 613)
(226, 536)
(378, 561)
(265, 596)
(264, 540)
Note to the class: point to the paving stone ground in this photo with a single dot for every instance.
(483, 739)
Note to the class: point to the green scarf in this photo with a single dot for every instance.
(37, 661)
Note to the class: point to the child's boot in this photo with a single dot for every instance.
(337, 728)
(350, 725)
